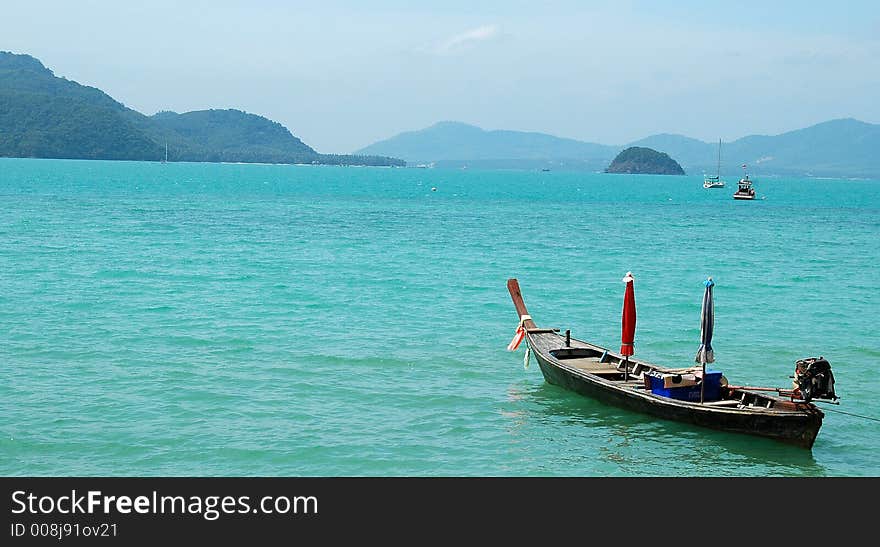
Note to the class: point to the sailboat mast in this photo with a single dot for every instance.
(166, 151)
(718, 171)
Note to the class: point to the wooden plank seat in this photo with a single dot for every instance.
(592, 365)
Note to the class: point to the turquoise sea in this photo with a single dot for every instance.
(242, 320)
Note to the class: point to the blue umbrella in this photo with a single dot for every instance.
(707, 323)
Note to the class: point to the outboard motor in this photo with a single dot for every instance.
(813, 379)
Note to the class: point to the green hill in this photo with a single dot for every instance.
(43, 116)
(230, 135)
(636, 160)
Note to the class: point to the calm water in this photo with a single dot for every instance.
(189, 319)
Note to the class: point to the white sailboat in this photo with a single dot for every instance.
(166, 153)
(714, 182)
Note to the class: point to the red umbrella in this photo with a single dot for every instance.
(628, 330)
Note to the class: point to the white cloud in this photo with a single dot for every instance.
(468, 39)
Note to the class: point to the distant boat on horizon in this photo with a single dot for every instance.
(714, 182)
(166, 153)
(745, 189)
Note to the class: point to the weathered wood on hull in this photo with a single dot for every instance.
(797, 429)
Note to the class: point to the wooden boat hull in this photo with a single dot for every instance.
(596, 372)
(797, 429)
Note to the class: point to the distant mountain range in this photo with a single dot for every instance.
(844, 148)
(460, 141)
(43, 116)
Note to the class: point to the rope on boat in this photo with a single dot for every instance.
(851, 414)
(526, 358)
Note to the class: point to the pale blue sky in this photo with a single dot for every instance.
(341, 75)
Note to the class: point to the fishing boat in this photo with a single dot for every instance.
(744, 188)
(714, 182)
(675, 394)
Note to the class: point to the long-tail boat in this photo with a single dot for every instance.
(599, 373)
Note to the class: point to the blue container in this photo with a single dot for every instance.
(689, 393)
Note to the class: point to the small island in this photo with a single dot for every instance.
(644, 161)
